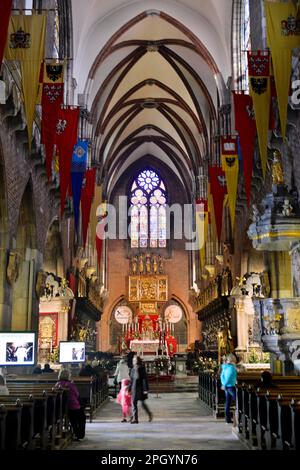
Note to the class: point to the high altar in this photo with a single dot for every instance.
(148, 333)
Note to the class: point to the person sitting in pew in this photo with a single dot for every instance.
(76, 413)
(47, 369)
(37, 369)
(3, 387)
(87, 370)
(265, 381)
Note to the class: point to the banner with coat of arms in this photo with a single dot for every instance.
(79, 162)
(230, 165)
(52, 99)
(218, 190)
(202, 222)
(66, 133)
(246, 127)
(26, 43)
(260, 91)
(283, 34)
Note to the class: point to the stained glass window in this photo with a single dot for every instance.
(148, 211)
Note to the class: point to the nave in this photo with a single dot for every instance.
(180, 422)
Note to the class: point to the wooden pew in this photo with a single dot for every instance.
(45, 409)
(259, 412)
(3, 414)
(295, 412)
(27, 419)
(12, 431)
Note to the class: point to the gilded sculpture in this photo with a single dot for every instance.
(277, 169)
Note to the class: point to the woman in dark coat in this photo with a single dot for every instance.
(139, 388)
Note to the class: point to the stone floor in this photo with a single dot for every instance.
(180, 422)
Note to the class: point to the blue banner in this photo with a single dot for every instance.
(79, 163)
(79, 158)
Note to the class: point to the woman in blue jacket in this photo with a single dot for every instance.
(228, 381)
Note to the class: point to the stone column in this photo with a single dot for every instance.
(25, 302)
(281, 274)
(242, 325)
(5, 305)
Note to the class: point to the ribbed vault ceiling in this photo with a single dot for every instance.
(152, 87)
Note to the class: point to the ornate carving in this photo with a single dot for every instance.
(277, 169)
(146, 288)
(141, 264)
(40, 283)
(146, 264)
(56, 288)
(13, 267)
(287, 208)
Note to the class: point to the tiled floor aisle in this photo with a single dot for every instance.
(180, 422)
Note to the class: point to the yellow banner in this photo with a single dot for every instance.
(283, 34)
(260, 91)
(202, 230)
(230, 166)
(26, 43)
(212, 213)
(97, 201)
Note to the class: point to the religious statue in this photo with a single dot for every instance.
(255, 213)
(277, 170)
(134, 263)
(287, 208)
(13, 267)
(148, 264)
(141, 264)
(155, 264)
(160, 265)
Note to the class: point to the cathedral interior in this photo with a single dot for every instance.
(149, 202)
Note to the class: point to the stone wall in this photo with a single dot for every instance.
(23, 172)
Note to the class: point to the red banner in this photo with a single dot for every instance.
(65, 139)
(87, 197)
(246, 127)
(52, 98)
(218, 190)
(51, 75)
(260, 90)
(259, 63)
(5, 9)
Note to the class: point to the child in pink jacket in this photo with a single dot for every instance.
(124, 399)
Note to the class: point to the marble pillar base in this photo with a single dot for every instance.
(279, 329)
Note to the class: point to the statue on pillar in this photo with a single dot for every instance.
(277, 169)
(160, 265)
(141, 264)
(155, 264)
(148, 264)
(134, 263)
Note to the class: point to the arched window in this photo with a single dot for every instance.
(241, 43)
(148, 211)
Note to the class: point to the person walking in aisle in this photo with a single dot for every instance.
(122, 372)
(139, 389)
(228, 381)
